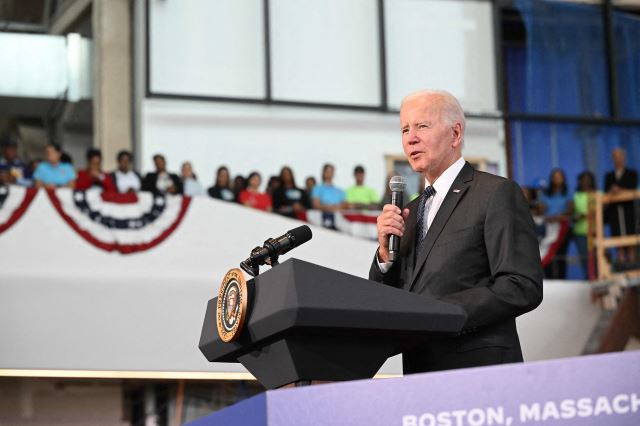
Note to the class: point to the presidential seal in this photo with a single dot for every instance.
(232, 305)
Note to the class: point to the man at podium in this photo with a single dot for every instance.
(469, 239)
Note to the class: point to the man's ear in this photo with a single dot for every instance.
(457, 135)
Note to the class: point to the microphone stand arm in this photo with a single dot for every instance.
(257, 257)
(273, 252)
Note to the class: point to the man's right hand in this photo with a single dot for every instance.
(390, 221)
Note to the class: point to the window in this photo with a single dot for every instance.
(208, 48)
(325, 51)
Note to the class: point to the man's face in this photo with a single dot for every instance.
(160, 163)
(10, 153)
(124, 163)
(327, 174)
(428, 142)
(95, 163)
(359, 178)
(618, 158)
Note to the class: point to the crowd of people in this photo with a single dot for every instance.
(556, 202)
(282, 194)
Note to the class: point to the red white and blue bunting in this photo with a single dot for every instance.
(126, 223)
(14, 201)
(555, 233)
(134, 222)
(363, 224)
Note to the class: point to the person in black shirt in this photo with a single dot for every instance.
(309, 183)
(124, 177)
(239, 185)
(272, 184)
(288, 199)
(161, 181)
(222, 188)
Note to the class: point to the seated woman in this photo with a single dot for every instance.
(190, 185)
(252, 197)
(93, 176)
(222, 188)
(288, 199)
(52, 173)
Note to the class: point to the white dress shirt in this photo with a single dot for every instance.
(442, 185)
(127, 181)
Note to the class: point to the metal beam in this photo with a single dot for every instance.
(64, 19)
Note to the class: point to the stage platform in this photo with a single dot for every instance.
(589, 390)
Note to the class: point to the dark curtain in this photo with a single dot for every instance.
(627, 54)
(564, 70)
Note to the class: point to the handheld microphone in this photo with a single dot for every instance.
(397, 186)
(273, 247)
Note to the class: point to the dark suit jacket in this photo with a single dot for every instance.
(151, 178)
(481, 252)
(628, 180)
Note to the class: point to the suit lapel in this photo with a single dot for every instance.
(449, 203)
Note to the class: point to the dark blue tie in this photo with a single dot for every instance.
(420, 219)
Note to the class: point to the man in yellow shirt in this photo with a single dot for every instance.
(360, 196)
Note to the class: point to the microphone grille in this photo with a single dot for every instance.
(397, 184)
(300, 235)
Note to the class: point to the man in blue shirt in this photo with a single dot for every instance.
(327, 197)
(53, 173)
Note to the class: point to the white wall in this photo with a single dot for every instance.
(265, 138)
(66, 305)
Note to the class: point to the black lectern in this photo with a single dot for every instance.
(307, 322)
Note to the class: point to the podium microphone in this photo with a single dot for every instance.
(397, 186)
(274, 247)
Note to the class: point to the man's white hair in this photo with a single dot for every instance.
(619, 150)
(452, 111)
